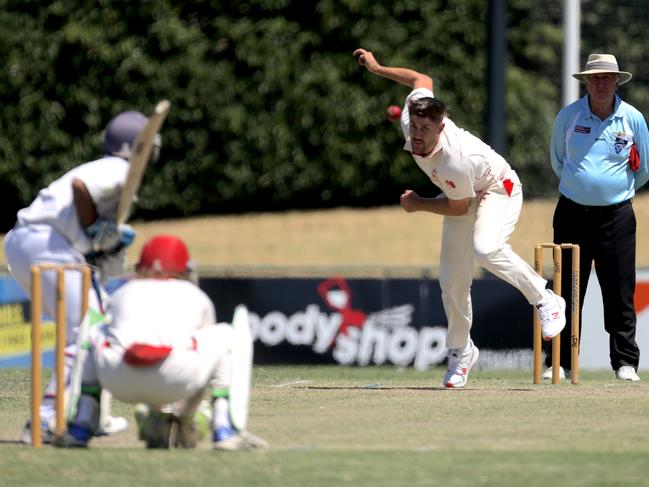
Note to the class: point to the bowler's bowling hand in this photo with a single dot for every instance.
(366, 58)
(409, 200)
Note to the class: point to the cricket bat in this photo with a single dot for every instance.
(140, 156)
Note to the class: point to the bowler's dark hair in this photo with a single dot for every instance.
(427, 107)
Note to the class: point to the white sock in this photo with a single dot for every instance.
(466, 348)
(545, 299)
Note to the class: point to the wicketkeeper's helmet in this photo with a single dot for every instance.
(165, 254)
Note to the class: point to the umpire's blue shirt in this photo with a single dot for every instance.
(591, 156)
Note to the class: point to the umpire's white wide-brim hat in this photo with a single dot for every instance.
(603, 63)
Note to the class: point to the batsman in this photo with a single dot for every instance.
(162, 347)
(75, 220)
(481, 201)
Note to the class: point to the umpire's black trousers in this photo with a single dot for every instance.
(606, 236)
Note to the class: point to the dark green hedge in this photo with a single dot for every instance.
(269, 108)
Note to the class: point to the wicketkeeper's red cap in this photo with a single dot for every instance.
(164, 253)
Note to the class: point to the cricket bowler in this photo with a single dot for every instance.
(481, 202)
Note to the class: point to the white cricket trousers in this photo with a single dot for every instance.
(32, 244)
(481, 236)
(187, 371)
(26, 245)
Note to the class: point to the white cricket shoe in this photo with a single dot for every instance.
(46, 433)
(626, 372)
(459, 365)
(563, 374)
(228, 439)
(552, 314)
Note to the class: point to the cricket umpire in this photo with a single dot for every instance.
(599, 152)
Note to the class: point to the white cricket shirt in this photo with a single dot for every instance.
(54, 204)
(461, 165)
(158, 312)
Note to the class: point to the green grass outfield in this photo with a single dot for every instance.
(374, 426)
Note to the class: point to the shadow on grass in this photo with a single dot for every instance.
(404, 388)
(11, 442)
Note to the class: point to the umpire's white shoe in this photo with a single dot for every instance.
(460, 362)
(552, 315)
(626, 372)
(563, 373)
(228, 439)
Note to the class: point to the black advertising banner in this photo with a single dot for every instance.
(354, 321)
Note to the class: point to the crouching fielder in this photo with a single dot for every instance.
(161, 346)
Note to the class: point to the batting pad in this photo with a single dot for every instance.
(242, 351)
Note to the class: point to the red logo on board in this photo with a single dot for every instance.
(336, 294)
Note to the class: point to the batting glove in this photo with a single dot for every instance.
(107, 236)
(127, 235)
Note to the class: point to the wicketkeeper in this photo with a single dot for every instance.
(161, 346)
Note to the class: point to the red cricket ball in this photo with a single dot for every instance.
(394, 113)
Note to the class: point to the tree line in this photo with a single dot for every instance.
(269, 109)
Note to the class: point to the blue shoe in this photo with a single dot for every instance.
(223, 433)
(75, 437)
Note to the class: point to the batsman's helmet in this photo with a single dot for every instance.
(121, 132)
(164, 254)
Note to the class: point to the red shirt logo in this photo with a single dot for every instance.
(450, 184)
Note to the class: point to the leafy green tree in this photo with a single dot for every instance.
(269, 108)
